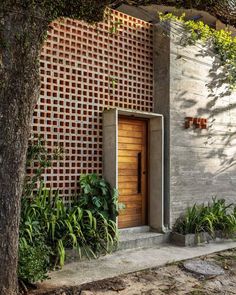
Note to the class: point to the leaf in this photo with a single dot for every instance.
(61, 252)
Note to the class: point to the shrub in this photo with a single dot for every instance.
(190, 221)
(218, 216)
(65, 226)
(98, 196)
(34, 261)
(48, 226)
(215, 216)
(47, 219)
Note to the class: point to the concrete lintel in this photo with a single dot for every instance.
(135, 114)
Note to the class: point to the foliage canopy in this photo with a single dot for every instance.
(87, 10)
(222, 42)
(225, 10)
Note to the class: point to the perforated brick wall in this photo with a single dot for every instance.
(85, 69)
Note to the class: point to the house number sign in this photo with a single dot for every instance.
(200, 123)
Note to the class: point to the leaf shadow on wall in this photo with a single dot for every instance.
(219, 109)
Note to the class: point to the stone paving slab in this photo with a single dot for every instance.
(202, 267)
(127, 261)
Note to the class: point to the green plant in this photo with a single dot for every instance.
(62, 227)
(115, 26)
(34, 260)
(190, 222)
(38, 153)
(113, 82)
(222, 41)
(215, 216)
(98, 196)
(48, 226)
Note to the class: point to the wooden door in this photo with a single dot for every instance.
(132, 165)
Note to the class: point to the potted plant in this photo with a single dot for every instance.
(204, 223)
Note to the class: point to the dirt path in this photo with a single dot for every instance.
(171, 279)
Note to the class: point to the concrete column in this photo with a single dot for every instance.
(156, 204)
(161, 63)
(110, 147)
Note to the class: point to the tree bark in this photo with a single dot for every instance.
(21, 37)
(23, 25)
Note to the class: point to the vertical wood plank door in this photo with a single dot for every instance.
(132, 172)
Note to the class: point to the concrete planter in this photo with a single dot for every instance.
(191, 240)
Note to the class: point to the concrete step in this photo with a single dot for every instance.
(137, 229)
(134, 240)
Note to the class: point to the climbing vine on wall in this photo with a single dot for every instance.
(222, 42)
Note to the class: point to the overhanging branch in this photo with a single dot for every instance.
(224, 10)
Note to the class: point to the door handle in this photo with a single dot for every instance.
(139, 184)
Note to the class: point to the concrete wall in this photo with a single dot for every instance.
(199, 164)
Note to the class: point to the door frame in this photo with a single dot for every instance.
(155, 181)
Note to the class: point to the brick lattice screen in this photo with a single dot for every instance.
(85, 69)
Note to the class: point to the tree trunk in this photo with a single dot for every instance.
(21, 36)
